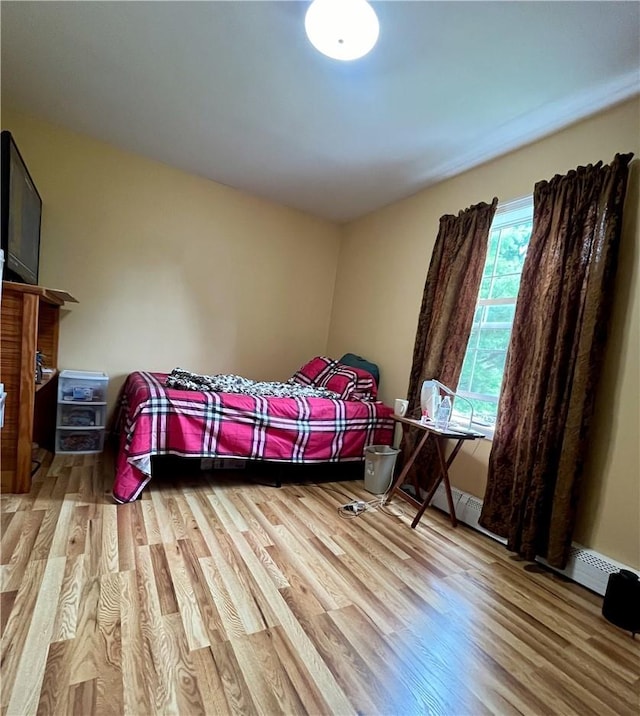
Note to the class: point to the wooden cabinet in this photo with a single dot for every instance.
(30, 322)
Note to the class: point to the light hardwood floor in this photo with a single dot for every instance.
(218, 596)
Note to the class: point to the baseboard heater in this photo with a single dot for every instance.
(585, 566)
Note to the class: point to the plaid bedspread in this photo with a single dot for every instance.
(155, 420)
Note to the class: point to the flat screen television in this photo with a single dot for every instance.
(21, 208)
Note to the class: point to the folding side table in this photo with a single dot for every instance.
(440, 437)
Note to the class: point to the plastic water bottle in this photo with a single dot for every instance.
(444, 413)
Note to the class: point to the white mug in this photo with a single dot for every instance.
(400, 406)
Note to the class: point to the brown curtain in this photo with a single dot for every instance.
(444, 324)
(554, 359)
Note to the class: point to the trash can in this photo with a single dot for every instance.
(379, 461)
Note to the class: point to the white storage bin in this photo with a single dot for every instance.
(81, 415)
(85, 441)
(81, 386)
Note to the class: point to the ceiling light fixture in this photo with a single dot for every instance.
(342, 29)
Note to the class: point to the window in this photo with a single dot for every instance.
(483, 366)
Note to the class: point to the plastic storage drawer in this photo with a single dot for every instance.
(81, 415)
(79, 441)
(79, 386)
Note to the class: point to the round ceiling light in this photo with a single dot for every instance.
(342, 29)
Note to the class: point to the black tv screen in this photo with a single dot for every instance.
(21, 213)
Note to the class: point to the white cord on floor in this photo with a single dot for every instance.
(355, 508)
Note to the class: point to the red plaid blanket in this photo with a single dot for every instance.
(155, 420)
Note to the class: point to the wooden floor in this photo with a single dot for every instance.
(225, 597)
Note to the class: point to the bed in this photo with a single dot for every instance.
(154, 419)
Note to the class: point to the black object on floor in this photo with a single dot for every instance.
(621, 604)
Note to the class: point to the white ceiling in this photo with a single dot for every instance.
(233, 91)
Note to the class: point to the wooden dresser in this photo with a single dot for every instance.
(30, 322)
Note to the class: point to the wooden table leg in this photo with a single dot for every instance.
(402, 476)
(444, 476)
(444, 467)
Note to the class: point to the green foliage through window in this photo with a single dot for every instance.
(483, 367)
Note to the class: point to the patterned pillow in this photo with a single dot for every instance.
(342, 380)
(314, 372)
(366, 388)
(349, 383)
(323, 372)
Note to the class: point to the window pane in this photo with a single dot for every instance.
(485, 287)
(505, 286)
(473, 338)
(477, 316)
(513, 248)
(464, 383)
(487, 376)
(492, 251)
(461, 411)
(500, 314)
(494, 338)
(484, 412)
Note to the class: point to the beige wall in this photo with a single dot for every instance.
(171, 269)
(382, 268)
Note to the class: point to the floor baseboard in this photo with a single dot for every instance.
(586, 567)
